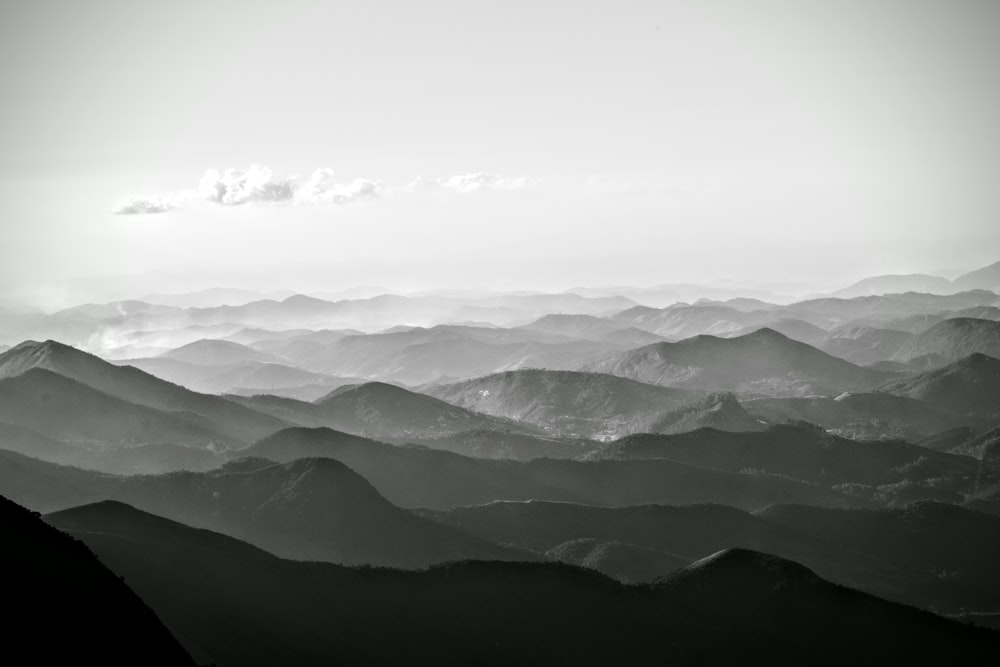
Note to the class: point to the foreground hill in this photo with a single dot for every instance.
(566, 402)
(310, 509)
(763, 362)
(969, 386)
(63, 606)
(641, 541)
(211, 589)
(936, 538)
(234, 421)
(421, 477)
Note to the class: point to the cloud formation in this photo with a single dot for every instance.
(235, 187)
(468, 183)
(145, 205)
(258, 185)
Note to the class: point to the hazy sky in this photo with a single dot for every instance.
(558, 143)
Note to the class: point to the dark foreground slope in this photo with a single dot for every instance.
(61, 606)
(244, 607)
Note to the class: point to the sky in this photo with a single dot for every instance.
(793, 144)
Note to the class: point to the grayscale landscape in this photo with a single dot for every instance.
(623, 334)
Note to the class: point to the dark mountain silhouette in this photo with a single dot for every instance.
(64, 409)
(627, 563)
(764, 362)
(954, 339)
(420, 477)
(692, 532)
(863, 416)
(309, 509)
(234, 421)
(566, 402)
(969, 386)
(718, 411)
(948, 440)
(799, 330)
(64, 607)
(949, 542)
(207, 352)
(245, 607)
(800, 452)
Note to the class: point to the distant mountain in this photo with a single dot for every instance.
(718, 411)
(421, 477)
(487, 444)
(683, 320)
(566, 403)
(215, 296)
(953, 339)
(212, 589)
(802, 453)
(64, 409)
(864, 345)
(864, 416)
(987, 278)
(799, 330)
(898, 284)
(245, 378)
(764, 362)
(382, 410)
(628, 563)
(969, 386)
(309, 509)
(217, 353)
(65, 607)
(235, 422)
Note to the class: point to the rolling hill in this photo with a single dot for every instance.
(567, 403)
(969, 386)
(763, 362)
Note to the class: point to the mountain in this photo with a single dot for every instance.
(627, 563)
(953, 339)
(898, 284)
(763, 362)
(692, 532)
(251, 377)
(383, 410)
(65, 607)
(64, 409)
(421, 477)
(213, 589)
(969, 386)
(233, 421)
(489, 444)
(937, 538)
(683, 320)
(207, 352)
(567, 403)
(864, 416)
(802, 453)
(718, 411)
(309, 509)
(986, 278)
(799, 330)
(864, 345)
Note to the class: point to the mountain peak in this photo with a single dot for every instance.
(741, 567)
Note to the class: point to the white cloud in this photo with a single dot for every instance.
(145, 205)
(258, 185)
(468, 183)
(321, 189)
(234, 186)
